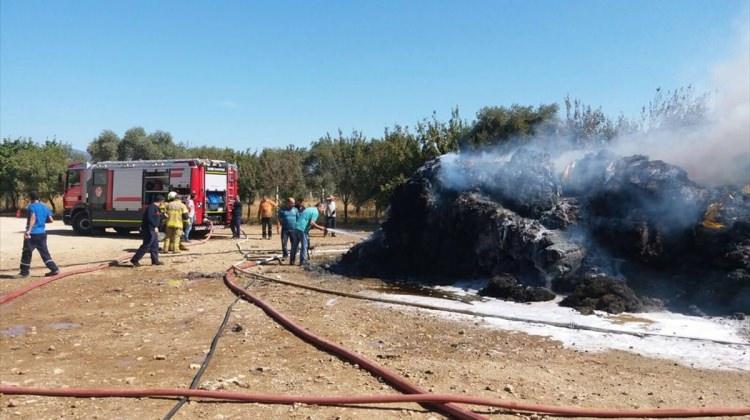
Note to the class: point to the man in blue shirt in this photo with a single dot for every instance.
(287, 218)
(301, 236)
(35, 236)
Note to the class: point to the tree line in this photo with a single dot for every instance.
(359, 170)
(27, 165)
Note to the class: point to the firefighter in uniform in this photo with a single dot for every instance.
(177, 216)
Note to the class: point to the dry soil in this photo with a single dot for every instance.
(151, 327)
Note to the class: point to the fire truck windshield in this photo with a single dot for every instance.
(73, 179)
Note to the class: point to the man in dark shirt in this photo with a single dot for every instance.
(150, 233)
(236, 223)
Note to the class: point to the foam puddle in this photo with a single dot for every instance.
(693, 353)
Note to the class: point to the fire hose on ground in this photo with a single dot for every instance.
(250, 397)
(443, 403)
(7, 297)
(392, 378)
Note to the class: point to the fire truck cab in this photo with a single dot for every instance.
(114, 194)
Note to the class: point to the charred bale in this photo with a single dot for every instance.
(506, 287)
(523, 181)
(603, 293)
(643, 210)
(478, 216)
(435, 232)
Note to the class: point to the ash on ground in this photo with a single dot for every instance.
(614, 233)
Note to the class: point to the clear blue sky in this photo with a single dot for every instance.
(251, 74)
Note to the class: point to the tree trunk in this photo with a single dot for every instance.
(346, 210)
(51, 198)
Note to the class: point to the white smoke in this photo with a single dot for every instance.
(717, 151)
(714, 150)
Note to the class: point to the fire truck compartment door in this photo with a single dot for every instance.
(98, 191)
(179, 176)
(126, 189)
(215, 182)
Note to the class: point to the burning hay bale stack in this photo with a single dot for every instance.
(607, 229)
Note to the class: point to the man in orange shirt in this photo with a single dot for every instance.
(265, 212)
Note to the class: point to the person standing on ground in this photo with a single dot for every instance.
(191, 217)
(150, 233)
(265, 212)
(236, 223)
(287, 218)
(177, 215)
(35, 236)
(301, 237)
(330, 208)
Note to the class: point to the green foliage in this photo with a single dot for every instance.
(358, 170)
(394, 159)
(282, 169)
(679, 108)
(438, 138)
(322, 165)
(351, 169)
(247, 166)
(104, 147)
(585, 125)
(496, 126)
(26, 166)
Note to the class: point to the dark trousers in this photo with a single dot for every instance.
(234, 225)
(150, 244)
(330, 224)
(286, 237)
(38, 242)
(295, 236)
(301, 242)
(265, 224)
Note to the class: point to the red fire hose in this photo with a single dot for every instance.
(7, 297)
(443, 403)
(372, 399)
(392, 378)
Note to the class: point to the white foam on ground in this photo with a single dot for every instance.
(698, 353)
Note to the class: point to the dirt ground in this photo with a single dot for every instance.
(151, 327)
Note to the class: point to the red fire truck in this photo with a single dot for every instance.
(114, 194)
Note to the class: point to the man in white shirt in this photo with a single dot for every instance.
(191, 217)
(330, 215)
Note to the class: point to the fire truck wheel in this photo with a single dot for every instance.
(81, 223)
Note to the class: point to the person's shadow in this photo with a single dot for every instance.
(105, 234)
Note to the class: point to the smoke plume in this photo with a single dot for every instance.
(714, 150)
(717, 150)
